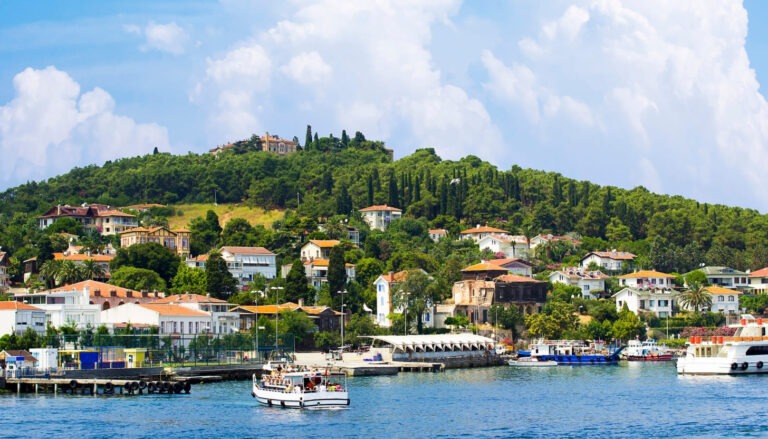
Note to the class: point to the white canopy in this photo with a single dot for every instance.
(435, 342)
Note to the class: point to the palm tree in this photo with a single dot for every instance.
(696, 297)
(50, 271)
(93, 270)
(71, 273)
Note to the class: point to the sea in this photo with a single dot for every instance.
(629, 400)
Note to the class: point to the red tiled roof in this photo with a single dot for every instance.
(165, 309)
(503, 262)
(613, 255)
(763, 272)
(484, 266)
(513, 278)
(644, 274)
(78, 257)
(188, 298)
(247, 250)
(14, 305)
(483, 229)
(325, 243)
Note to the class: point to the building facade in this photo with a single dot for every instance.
(379, 217)
(175, 240)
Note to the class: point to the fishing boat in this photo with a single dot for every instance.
(301, 389)
(648, 350)
(531, 362)
(570, 352)
(746, 352)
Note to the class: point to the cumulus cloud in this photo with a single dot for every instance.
(653, 93)
(50, 127)
(169, 37)
(371, 70)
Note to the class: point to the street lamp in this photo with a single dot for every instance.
(342, 293)
(277, 313)
(258, 292)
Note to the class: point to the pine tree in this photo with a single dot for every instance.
(337, 272)
(308, 138)
(370, 190)
(394, 199)
(344, 138)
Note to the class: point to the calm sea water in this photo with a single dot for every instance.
(631, 400)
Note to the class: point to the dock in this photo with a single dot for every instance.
(98, 386)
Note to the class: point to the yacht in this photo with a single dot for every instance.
(746, 352)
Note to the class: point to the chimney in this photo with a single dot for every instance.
(301, 303)
(58, 209)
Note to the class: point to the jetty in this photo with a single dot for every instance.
(98, 386)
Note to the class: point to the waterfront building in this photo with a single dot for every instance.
(611, 261)
(66, 307)
(379, 217)
(17, 317)
(174, 320)
(102, 294)
(589, 282)
(318, 249)
(176, 240)
(324, 318)
(386, 286)
(724, 300)
(243, 263)
(222, 318)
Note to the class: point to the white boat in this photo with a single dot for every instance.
(531, 362)
(746, 352)
(648, 350)
(279, 361)
(301, 389)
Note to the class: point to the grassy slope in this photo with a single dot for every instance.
(225, 212)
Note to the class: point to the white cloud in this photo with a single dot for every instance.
(660, 93)
(169, 37)
(308, 68)
(49, 127)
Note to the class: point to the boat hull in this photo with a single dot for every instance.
(661, 357)
(274, 398)
(518, 363)
(581, 360)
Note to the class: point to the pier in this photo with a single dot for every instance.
(98, 386)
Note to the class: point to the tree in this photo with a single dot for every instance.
(628, 326)
(139, 279)
(414, 295)
(93, 270)
(296, 284)
(219, 281)
(204, 233)
(308, 138)
(189, 280)
(151, 256)
(696, 297)
(49, 270)
(337, 271)
(70, 273)
(296, 323)
(542, 325)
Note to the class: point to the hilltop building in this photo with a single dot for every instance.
(176, 240)
(99, 217)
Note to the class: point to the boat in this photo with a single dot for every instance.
(746, 352)
(648, 350)
(295, 388)
(531, 362)
(279, 361)
(570, 352)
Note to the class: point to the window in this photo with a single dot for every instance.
(720, 299)
(731, 299)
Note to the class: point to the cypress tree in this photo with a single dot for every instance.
(308, 139)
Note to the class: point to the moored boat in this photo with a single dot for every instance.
(569, 352)
(746, 352)
(648, 350)
(531, 362)
(301, 389)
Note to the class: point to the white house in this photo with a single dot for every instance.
(318, 249)
(587, 281)
(244, 263)
(170, 319)
(510, 246)
(379, 217)
(758, 281)
(386, 285)
(223, 319)
(726, 277)
(67, 308)
(647, 279)
(545, 239)
(608, 261)
(724, 300)
(437, 234)
(516, 266)
(477, 233)
(658, 301)
(16, 317)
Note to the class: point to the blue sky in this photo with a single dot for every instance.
(662, 94)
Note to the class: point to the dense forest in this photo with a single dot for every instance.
(338, 175)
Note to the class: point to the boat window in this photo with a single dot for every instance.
(757, 350)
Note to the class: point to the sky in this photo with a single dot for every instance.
(652, 93)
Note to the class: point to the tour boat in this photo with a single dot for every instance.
(746, 352)
(569, 352)
(531, 362)
(648, 350)
(301, 389)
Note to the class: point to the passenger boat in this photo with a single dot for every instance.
(531, 362)
(279, 360)
(648, 350)
(746, 352)
(301, 389)
(569, 352)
